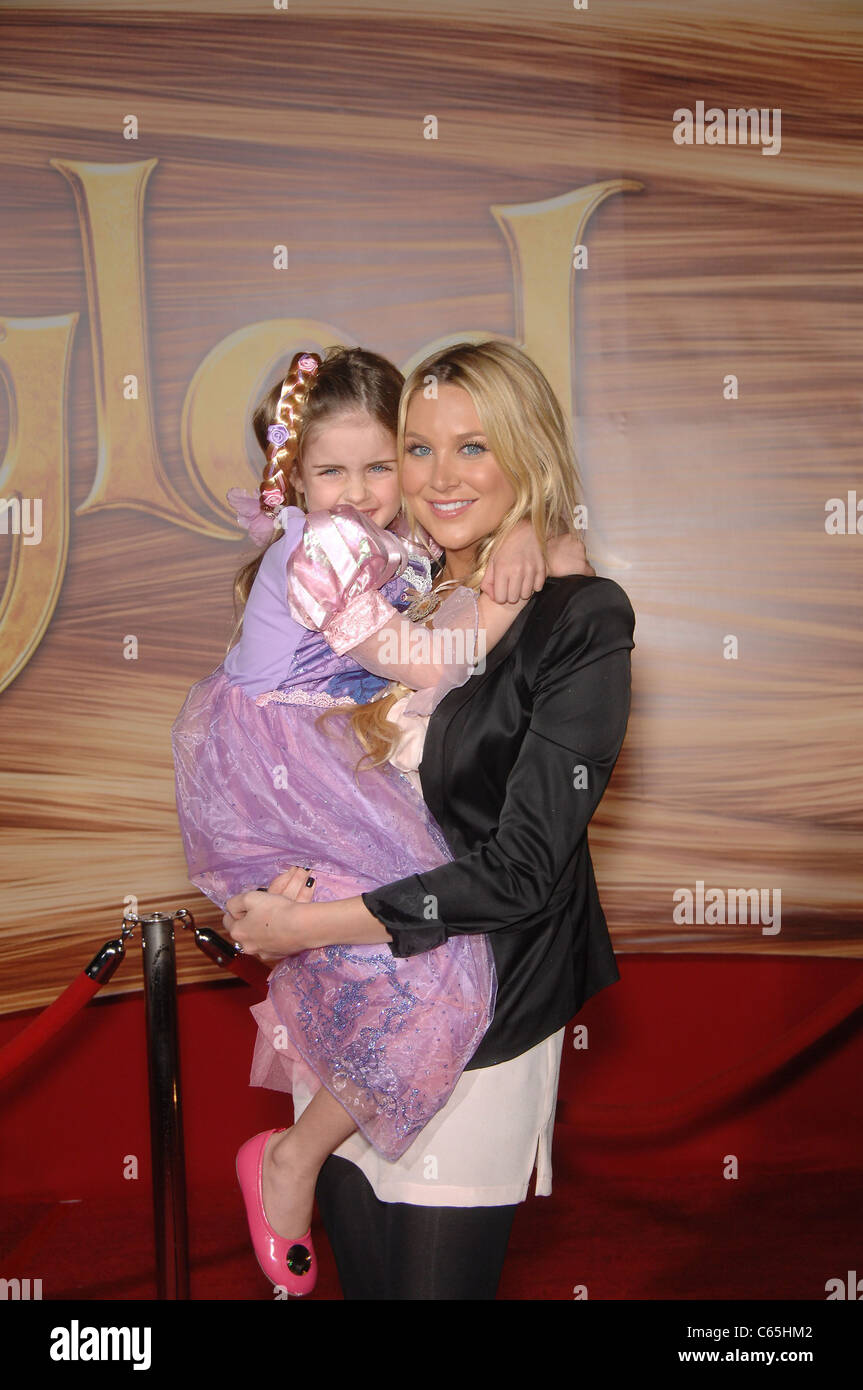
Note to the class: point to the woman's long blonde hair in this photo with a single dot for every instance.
(531, 440)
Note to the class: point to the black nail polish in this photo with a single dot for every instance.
(310, 882)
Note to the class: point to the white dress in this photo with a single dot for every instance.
(481, 1148)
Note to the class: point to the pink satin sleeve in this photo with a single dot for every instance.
(429, 661)
(334, 575)
(417, 539)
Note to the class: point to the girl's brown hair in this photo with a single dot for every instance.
(349, 380)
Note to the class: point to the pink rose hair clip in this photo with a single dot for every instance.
(258, 515)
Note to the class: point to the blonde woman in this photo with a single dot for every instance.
(512, 764)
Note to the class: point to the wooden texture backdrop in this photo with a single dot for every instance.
(306, 128)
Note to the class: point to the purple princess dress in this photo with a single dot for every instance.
(261, 787)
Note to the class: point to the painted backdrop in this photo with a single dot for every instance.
(661, 202)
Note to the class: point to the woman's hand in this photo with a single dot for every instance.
(272, 924)
(295, 883)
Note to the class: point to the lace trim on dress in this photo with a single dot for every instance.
(311, 697)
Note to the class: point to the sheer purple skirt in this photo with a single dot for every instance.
(260, 788)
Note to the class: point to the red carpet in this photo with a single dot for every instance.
(641, 1218)
(774, 1237)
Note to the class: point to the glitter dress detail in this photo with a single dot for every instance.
(260, 787)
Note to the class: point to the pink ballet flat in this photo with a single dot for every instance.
(290, 1264)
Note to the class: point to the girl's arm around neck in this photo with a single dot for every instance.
(465, 631)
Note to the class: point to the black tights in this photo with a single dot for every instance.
(393, 1250)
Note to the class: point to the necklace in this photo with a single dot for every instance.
(429, 603)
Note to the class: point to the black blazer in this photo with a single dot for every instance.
(514, 764)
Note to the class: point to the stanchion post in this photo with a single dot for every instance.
(166, 1112)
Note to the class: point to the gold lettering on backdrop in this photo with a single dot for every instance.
(109, 199)
(34, 366)
(225, 389)
(540, 238)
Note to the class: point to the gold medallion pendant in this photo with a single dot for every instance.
(426, 604)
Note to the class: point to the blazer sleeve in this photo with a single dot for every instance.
(580, 707)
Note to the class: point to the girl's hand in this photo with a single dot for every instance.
(267, 925)
(517, 568)
(567, 555)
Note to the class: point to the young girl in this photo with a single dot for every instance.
(263, 781)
